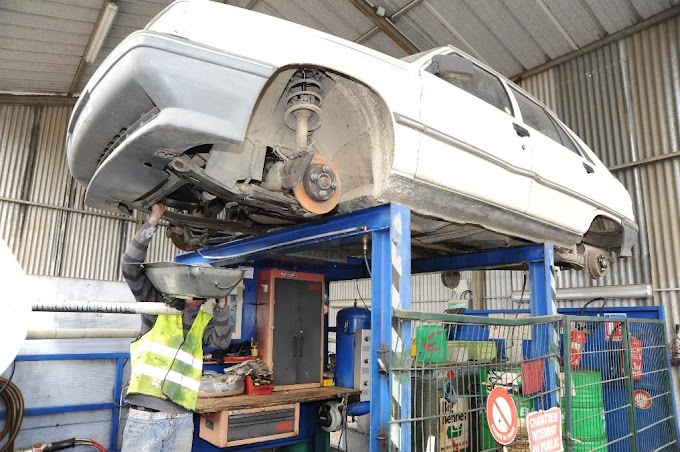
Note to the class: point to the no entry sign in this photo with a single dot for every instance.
(642, 399)
(502, 416)
(545, 430)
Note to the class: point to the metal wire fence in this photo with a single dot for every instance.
(456, 361)
(612, 385)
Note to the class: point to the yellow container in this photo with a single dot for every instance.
(482, 351)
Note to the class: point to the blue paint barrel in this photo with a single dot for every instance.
(348, 322)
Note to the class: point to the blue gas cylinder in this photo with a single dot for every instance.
(348, 322)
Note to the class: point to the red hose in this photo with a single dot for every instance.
(98, 446)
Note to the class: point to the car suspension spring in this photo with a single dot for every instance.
(303, 103)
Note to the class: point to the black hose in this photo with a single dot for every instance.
(14, 406)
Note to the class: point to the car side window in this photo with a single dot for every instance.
(566, 140)
(487, 87)
(535, 116)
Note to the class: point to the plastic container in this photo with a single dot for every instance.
(587, 411)
(431, 344)
(481, 351)
(251, 389)
(455, 353)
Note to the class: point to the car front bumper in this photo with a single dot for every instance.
(156, 93)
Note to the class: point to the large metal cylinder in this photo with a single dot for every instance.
(348, 322)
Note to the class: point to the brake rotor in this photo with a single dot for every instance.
(597, 264)
(319, 190)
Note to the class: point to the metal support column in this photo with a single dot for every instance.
(545, 338)
(391, 288)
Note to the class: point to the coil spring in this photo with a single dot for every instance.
(304, 93)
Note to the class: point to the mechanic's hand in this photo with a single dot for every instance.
(222, 303)
(176, 303)
(157, 211)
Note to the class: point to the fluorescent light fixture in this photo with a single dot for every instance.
(101, 32)
(587, 293)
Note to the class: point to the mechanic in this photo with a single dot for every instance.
(166, 361)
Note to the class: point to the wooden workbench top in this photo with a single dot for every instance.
(243, 402)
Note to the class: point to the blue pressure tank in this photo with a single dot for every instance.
(348, 322)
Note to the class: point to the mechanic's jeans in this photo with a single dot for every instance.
(158, 432)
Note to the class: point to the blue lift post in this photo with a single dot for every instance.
(389, 228)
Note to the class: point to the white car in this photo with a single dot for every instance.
(243, 122)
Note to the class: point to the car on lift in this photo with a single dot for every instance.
(242, 123)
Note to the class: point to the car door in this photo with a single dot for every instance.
(563, 187)
(470, 144)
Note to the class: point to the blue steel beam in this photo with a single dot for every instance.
(381, 327)
(480, 260)
(117, 396)
(348, 227)
(544, 338)
(400, 241)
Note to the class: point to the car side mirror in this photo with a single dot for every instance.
(452, 67)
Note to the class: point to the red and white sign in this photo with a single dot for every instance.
(636, 358)
(502, 416)
(642, 399)
(545, 430)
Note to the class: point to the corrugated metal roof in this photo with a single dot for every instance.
(42, 41)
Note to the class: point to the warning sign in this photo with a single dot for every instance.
(545, 430)
(502, 416)
(453, 425)
(642, 399)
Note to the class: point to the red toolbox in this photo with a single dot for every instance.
(251, 389)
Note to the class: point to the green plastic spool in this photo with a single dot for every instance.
(588, 389)
(587, 408)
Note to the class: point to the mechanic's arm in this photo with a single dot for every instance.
(218, 331)
(135, 254)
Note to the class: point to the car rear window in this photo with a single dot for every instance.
(486, 86)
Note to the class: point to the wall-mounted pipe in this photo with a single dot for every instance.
(588, 293)
(82, 333)
(106, 307)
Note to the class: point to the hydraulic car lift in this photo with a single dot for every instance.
(388, 227)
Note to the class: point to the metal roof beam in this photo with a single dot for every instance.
(392, 18)
(386, 26)
(37, 99)
(557, 24)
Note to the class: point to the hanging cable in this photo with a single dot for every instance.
(356, 281)
(521, 297)
(368, 267)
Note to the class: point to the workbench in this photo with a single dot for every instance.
(243, 402)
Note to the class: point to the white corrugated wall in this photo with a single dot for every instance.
(624, 101)
(43, 217)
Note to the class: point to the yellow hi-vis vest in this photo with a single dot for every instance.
(166, 365)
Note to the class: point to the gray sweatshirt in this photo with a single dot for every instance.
(217, 333)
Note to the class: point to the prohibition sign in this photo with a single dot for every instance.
(502, 416)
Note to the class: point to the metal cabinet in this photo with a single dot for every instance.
(290, 325)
